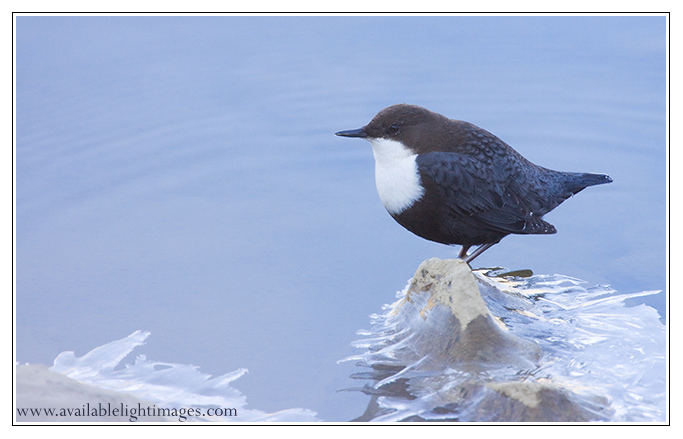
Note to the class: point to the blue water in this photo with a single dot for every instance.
(180, 175)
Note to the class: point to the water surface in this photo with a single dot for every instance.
(180, 175)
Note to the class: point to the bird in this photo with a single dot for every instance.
(451, 182)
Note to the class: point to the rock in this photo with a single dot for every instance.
(439, 354)
(457, 327)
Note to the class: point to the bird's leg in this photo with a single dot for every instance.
(463, 251)
(478, 251)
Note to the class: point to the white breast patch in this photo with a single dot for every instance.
(396, 175)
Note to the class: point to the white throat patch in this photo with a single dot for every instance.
(396, 175)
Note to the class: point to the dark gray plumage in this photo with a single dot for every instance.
(476, 188)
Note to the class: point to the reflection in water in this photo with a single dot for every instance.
(600, 360)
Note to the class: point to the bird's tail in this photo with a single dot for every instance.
(576, 182)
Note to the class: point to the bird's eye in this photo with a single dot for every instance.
(394, 129)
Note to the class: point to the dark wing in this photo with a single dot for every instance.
(476, 191)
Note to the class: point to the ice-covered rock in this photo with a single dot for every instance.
(476, 346)
(171, 392)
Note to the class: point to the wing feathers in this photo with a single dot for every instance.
(484, 194)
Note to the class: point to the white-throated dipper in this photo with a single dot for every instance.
(452, 182)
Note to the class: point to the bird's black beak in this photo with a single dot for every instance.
(352, 133)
